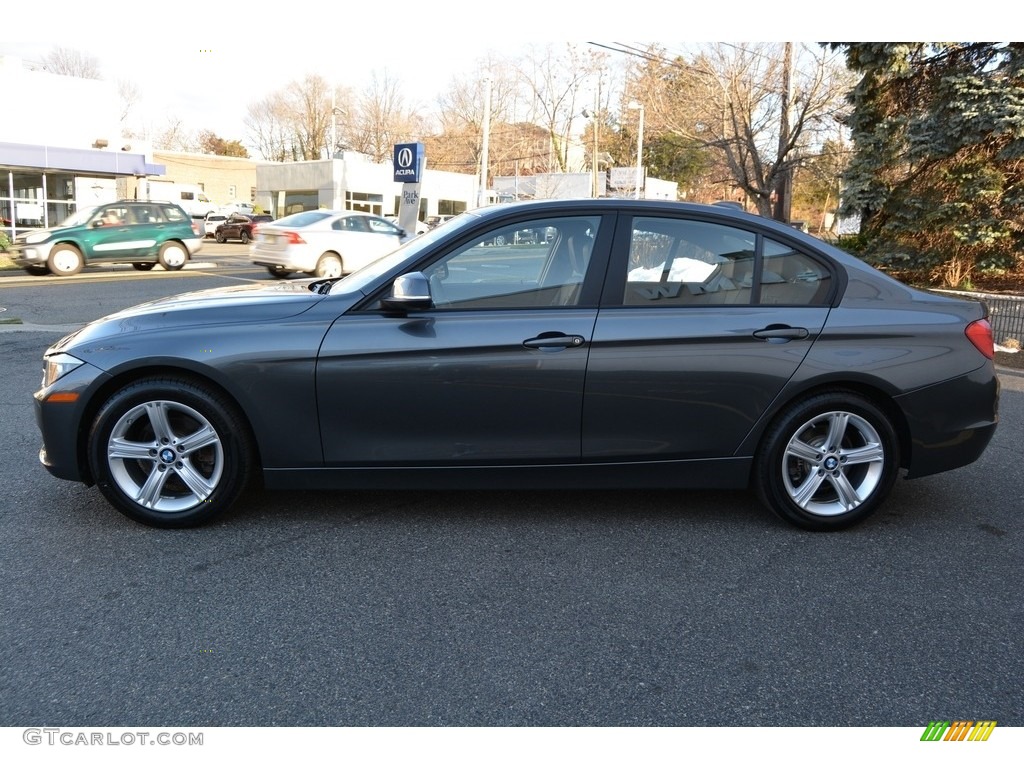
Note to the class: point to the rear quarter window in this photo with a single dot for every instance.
(174, 213)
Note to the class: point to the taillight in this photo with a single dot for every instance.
(980, 334)
(294, 238)
(195, 228)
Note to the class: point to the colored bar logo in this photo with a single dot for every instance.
(959, 730)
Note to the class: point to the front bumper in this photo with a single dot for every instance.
(62, 422)
(29, 254)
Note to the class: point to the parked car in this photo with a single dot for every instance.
(645, 344)
(211, 222)
(240, 226)
(324, 243)
(434, 221)
(144, 233)
(421, 226)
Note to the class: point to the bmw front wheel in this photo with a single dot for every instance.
(170, 452)
(827, 463)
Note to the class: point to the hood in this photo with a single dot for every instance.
(237, 304)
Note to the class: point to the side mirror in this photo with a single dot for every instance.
(411, 291)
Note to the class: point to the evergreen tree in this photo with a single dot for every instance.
(937, 173)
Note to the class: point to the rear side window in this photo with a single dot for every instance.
(350, 224)
(791, 277)
(148, 214)
(680, 262)
(173, 213)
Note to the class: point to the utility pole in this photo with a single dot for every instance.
(485, 148)
(784, 180)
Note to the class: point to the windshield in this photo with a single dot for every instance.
(80, 217)
(410, 251)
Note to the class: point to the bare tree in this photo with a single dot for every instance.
(129, 95)
(734, 100)
(174, 136)
(557, 81)
(382, 119)
(72, 62)
(457, 143)
(267, 121)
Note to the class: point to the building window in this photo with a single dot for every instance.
(450, 207)
(231, 191)
(365, 202)
(298, 200)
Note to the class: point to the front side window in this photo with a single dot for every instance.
(532, 264)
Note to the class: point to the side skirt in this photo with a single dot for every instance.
(730, 473)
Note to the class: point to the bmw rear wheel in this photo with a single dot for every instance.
(827, 463)
(173, 256)
(169, 452)
(279, 272)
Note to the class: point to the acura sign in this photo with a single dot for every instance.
(408, 161)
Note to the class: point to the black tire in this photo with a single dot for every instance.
(820, 486)
(329, 265)
(143, 266)
(220, 237)
(139, 445)
(173, 255)
(244, 236)
(37, 270)
(65, 260)
(278, 272)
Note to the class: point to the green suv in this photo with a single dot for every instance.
(140, 232)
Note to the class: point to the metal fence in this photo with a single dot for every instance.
(1006, 313)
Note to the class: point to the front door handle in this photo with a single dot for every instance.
(554, 340)
(780, 334)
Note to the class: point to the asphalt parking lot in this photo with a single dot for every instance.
(493, 608)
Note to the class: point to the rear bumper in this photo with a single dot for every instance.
(951, 423)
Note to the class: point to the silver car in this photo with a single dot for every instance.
(324, 243)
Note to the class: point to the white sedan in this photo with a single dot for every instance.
(324, 243)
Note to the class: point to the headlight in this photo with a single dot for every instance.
(37, 237)
(56, 366)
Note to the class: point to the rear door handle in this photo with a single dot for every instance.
(554, 340)
(780, 334)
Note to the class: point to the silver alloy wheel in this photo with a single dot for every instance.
(66, 260)
(329, 265)
(165, 456)
(173, 256)
(833, 463)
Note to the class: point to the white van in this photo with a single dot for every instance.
(189, 196)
